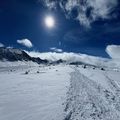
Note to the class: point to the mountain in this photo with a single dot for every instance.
(12, 54)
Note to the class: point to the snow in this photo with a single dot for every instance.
(33, 96)
(29, 91)
(93, 95)
(9, 64)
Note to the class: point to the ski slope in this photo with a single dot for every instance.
(59, 92)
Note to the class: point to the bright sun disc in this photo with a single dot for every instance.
(49, 21)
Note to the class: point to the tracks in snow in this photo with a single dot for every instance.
(88, 100)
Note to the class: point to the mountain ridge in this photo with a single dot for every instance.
(13, 54)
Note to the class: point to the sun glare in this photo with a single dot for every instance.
(49, 21)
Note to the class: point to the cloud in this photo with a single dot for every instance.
(25, 42)
(56, 49)
(113, 51)
(1, 45)
(85, 11)
(50, 3)
(69, 57)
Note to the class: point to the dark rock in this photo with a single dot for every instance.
(12, 54)
(103, 69)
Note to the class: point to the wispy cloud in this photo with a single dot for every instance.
(49, 3)
(56, 49)
(113, 51)
(87, 11)
(25, 42)
(1, 45)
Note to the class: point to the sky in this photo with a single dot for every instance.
(80, 26)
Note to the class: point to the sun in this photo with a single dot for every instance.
(49, 21)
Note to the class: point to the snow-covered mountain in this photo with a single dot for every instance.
(78, 58)
(12, 54)
(81, 88)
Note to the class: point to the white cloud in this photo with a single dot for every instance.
(113, 51)
(69, 57)
(96, 9)
(1, 45)
(56, 49)
(25, 42)
(50, 4)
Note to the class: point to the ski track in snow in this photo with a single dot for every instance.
(59, 92)
(88, 100)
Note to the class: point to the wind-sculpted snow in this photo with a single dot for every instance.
(89, 100)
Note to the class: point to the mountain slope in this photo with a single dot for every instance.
(12, 54)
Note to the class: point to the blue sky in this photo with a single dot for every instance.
(83, 27)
